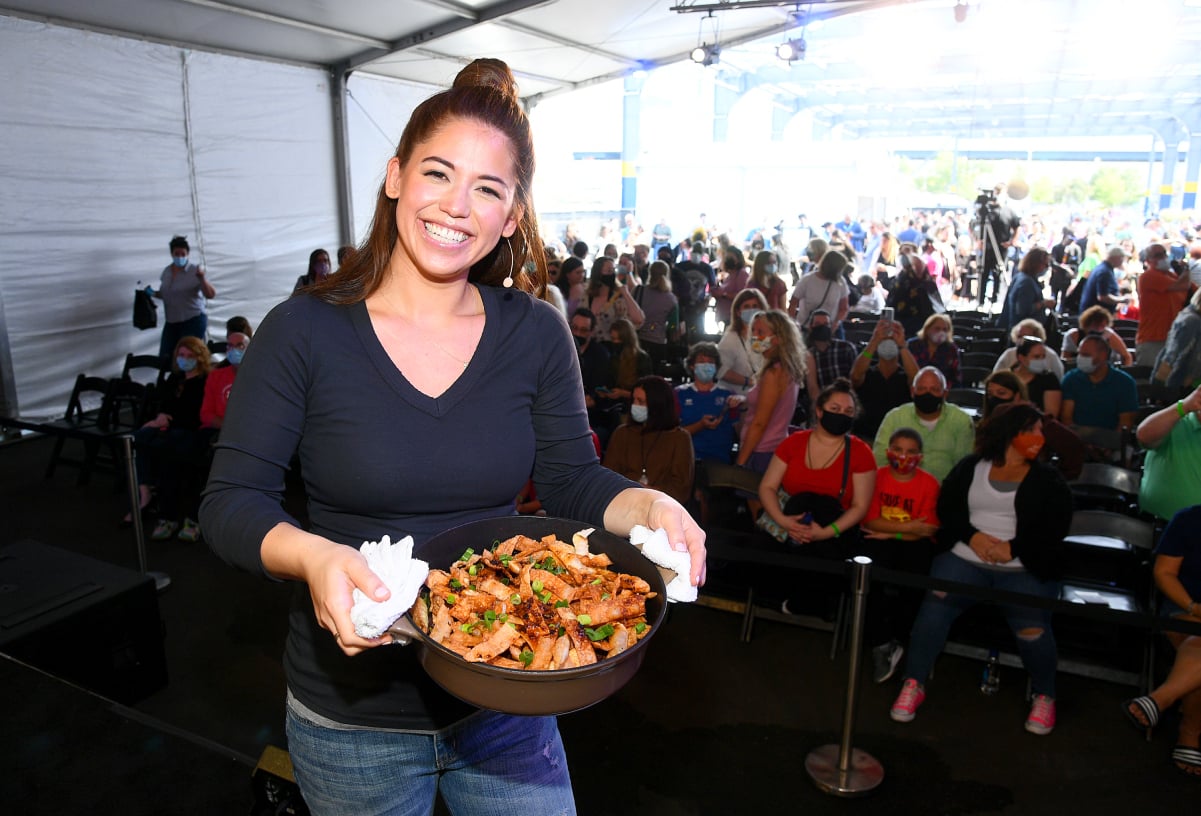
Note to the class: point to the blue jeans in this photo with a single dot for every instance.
(487, 764)
(939, 610)
(174, 332)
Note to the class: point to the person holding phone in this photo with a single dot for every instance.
(882, 374)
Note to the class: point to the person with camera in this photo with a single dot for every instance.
(1162, 292)
(995, 225)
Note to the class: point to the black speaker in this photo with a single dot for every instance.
(86, 621)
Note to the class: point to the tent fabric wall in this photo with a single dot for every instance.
(98, 176)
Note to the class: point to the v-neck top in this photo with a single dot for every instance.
(379, 457)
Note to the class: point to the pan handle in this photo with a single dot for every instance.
(403, 632)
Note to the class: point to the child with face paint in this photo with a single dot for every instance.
(899, 527)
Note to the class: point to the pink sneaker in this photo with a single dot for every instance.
(1042, 715)
(905, 706)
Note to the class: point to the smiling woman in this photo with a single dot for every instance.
(420, 387)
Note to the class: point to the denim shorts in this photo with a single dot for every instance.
(487, 764)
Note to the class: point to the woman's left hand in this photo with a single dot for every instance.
(682, 532)
(806, 533)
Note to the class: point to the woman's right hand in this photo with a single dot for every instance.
(332, 572)
(986, 547)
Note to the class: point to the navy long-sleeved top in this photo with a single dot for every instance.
(380, 457)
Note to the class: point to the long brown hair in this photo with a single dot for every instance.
(485, 91)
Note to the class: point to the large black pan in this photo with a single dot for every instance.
(514, 691)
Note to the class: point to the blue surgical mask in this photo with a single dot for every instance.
(638, 413)
(180, 260)
(747, 315)
(1037, 366)
(888, 349)
(185, 363)
(771, 269)
(234, 355)
(705, 372)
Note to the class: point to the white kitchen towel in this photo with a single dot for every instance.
(404, 576)
(656, 547)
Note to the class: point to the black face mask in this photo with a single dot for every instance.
(609, 280)
(837, 424)
(580, 342)
(927, 403)
(820, 334)
(991, 403)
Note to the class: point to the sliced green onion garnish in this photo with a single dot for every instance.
(515, 598)
(560, 604)
(606, 596)
(537, 585)
(584, 620)
(473, 569)
(455, 583)
(527, 657)
(451, 598)
(640, 628)
(597, 582)
(467, 553)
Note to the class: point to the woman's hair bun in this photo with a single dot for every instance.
(488, 72)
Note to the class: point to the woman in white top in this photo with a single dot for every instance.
(824, 289)
(1028, 328)
(739, 362)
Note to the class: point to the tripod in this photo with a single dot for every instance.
(990, 266)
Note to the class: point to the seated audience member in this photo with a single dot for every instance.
(1062, 443)
(1033, 369)
(1096, 395)
(705, 406)
(882, 375)
(1003, 516)
(168, 446)
(1172, 470)
(662, 314)
(1029, 328)
(829, 358)
(899, 527)
(344, 252)
(947, 431)
(221, 379)
(740, 362)
(871, 296)
(827, 474)
(1096, 321)
(771, 403)
(651, 448)
(1178, 364)
(319, 269)
(1178, 576)
(934, 346)
(627, 361)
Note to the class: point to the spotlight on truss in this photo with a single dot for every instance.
(791, 50)
(706, 54)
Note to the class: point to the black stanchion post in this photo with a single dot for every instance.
(161, 579)
(843, 770)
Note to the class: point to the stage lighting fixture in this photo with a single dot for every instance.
(791, 50)
(706, 54)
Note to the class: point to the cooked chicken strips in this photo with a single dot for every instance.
(530, 604)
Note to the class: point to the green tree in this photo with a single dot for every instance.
(1114, 187)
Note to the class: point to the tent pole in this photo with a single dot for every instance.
(337, 86)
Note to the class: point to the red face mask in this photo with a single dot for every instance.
(1029, 443)
(902, 463)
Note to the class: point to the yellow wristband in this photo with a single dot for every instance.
(1180, 408)
(837, 532)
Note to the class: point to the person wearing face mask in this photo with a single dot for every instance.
(220, 381)
(771, 403)
(1096, 395)
(733, 279)
(1063, 446)
(914, 294)
(810, 464)
(627, 361)
(1025, 296)
(899, 529)
(947, 430)
(740, 362)
(625, 271)
(183, 289)
(881, 376)
(319, 269)
(1003, 517)
(824, 289)
(1162, 293)
(1023, 329)
(766, 279)
(608, 300)
(603, 411)
(165, 443)
(1032, 368)
(1096, 320)
(651, 448)
(706, 408)
(829, 358)
(934, 346)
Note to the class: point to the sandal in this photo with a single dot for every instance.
(1145, 706)
(1187, 759)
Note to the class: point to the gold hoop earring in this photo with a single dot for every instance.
(508, 281)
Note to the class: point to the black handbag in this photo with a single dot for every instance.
(145, 310)
(824, 508)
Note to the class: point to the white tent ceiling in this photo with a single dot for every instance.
(1011, 67)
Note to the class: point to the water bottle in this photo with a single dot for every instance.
(990, 683)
